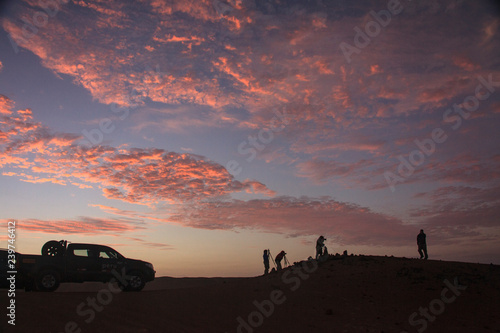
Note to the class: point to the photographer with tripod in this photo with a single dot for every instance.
(320, 244)
(279, 257)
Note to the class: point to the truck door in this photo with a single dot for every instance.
(110, 261)
(82, 263)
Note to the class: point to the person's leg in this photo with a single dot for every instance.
(420, 251)
(425, 252)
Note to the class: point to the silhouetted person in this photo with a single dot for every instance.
(266, 262)
(278, 259)
(422, 245)
(320, 243)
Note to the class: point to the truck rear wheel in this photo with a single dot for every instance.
(135, 281)
(48, 280)
(52, 248)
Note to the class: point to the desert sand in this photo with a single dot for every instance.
(342, 294)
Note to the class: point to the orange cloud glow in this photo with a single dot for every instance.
(135, 175)
(84, 225)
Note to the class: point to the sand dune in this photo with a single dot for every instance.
(344, 294)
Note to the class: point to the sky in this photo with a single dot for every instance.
(194, 134)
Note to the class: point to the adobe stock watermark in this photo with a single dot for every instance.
(106, 125)
(257, 143)
(372, 29)
(95, 304)
(11, 272)
(427, 146)
(264, 309)
(39, 20)
(436, 307)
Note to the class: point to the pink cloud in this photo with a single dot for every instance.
(350, 224)
(346, 223)
(156, 246)
(467, 168)
(445, 90)
(321, 170)
(135, 175)
(472, 213)
(6, 104)
(465, 63)
(83, 225)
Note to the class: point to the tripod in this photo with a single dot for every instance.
(287, 263)
(272, 258)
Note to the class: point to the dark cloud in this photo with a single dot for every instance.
(347, 223)
(461, 207)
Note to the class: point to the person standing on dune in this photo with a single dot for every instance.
(320, 244)
(422, 244)
(266, 262)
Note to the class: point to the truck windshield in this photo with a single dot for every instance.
(108, 254)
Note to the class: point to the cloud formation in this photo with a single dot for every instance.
(82, 225)
(200, 191)
(137, 175)
(229, 64)
(345, 222)
(461, 206)
(257, 56)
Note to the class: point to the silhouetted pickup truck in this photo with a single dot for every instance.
(74, 262)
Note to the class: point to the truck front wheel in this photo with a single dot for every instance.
(48, 280)
(135, 281)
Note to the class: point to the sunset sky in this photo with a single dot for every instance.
(196, 133)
